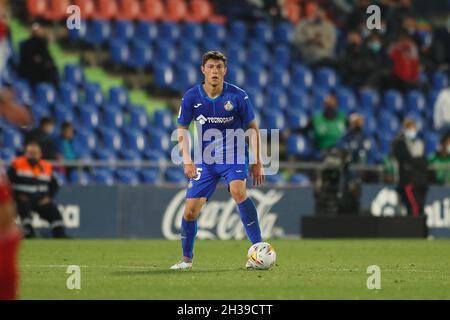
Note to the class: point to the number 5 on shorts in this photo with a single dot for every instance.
(199, 173)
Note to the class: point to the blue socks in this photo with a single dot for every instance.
(188, 233)
(249, 218)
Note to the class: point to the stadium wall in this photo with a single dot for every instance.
(155, 212)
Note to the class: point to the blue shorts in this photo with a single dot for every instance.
(208, 175)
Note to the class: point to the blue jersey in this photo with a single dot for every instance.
(231, 110)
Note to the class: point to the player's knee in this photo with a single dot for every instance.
(238, 195)
(190, 214)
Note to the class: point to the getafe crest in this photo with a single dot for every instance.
(228, 106)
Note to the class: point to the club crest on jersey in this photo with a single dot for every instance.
(228, 106)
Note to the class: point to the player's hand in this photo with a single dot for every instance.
(190, 170)
(257, 174)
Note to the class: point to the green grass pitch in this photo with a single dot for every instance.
(306, 269)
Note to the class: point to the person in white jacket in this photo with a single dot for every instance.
(442, 111)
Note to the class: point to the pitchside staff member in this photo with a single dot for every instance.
(34, 187)
(409, 152)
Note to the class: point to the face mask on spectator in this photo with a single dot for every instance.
(410, 134)
(375, 46)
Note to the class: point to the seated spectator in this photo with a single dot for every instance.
(35, 62)
(66, 148)
(315, 38)
(329, 125)
(442, 112)
(377, 63)
(353, 63)
(440, 49)
(43, 135)
(406, 65)
(441, 161)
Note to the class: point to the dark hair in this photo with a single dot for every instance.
(214, 55)
(46, 120)
(33, 143)
(66, 125)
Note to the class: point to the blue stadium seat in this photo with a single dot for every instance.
(276, 99)
(279, 78)
(299, 99)
(431, 142)
(120, 52)
(169, 31)
(141, 55)
(85, 139)
(150, 176)
(187, 75)
(164, 76)
(130, 155)
(12, 139)
(319, 96)
(159, 140)
(235, 75)
(388, 122)
(326, 78)
(146, 31)
(135, 139)
(415, 101)
(45, 94)
(298, 145)
(393, 101)
(124, 30)
(153, 155)
(384, 142)
(188, 52)
(138, 117)
(60, 178)
(98, 32)
(256, 77)
(111, 139)
(192, 32)
(297, 119)
(118, 96)
(281, 56)
(38, 112)
(274, 120)
(238, 30)
(103, 177)
(7, 155)
(420, 122)
(127, 177)
(301, 77)
(112, 117)
(256, 97)
(78, 35)
(439, 80)
(262, 32)
(284, 33)
(93, 94)
(73, 74)
(88, 116)
(23, 92)
(163, 119)
(275, 180)
(214, 32)
(370, 123)
(63, 113)
(175, 176)
(79, 177)
(235, 54)
(105, 155)
(258, 55)
(369, 99)
(346, 100)
(300, 179)
(68, 94)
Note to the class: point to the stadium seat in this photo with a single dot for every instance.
(415, 101)
(298, 145)
(73, 74)
(369, 100)
(105, 155)
(346, 100)
(146, 31)
(370, 123)
(169, 31)
(177, 10)
(276, 99)
(384, 142)
(141, 55)
(302, 77)
(106, 9)
(297, 119)
(152, 10)
(123, 30)
(129, 10)
(111, 139)
(279, 78)
(153, 155)
(98, 32)
(165, 52)
(112, 117)
(189, 53)
(162, 119)
(258, 55)
(68, 95)
(103, 177)
(214, 32)
(256, 77)
(175, 176)
(87, 8)
(7, 155)
(37, 8)
(63, 113)
(256, 97)
(420, 121)
(192, 33)
(23, 92)
(299, 99)
(235, 75)
(388, 122)
(93, 94)
(138, 117)
(186, 76)
(284, 33)
(119, 52)
(57, 10)
(60, 178)
(159, 140)
(281, 56)
(12, 139)
(262, 32)
(45, 94)
(85, 139)
(88, 116)
(238, 29)
(274, 120)
(38, 112)
(130, 155)
(431, 142)
(300, 179)
(275, 180)
(439, 80)
(393, 101)
(150, 176)
(79, 177)
(164, 76)
(326, 78)
(134, 139)
(318, 100)
(127, 177)
(202, 10)
(78, 35)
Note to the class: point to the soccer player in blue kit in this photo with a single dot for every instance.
(217, 105)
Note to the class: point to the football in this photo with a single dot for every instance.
(262, 256)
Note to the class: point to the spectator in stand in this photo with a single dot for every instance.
(406, 65)
(353, 63)
(43, 135)
(66, 147)
(409, 152)
(441, 160)
(440, 49)
(35, 62)
(329, 125)
(377, 62)
(442, 112)
(315, 38)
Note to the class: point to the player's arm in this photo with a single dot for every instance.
(11, 111)
(190, 170)
(256, 169)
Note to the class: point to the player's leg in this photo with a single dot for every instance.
(9, 242)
